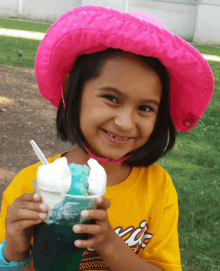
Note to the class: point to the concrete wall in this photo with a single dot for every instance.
(8, 8)
(178, 18)
(49, 10)
(115, 4)
(208, 22)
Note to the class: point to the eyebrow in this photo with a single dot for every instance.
(112, 89)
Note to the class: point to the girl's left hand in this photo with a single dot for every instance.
(101, 233)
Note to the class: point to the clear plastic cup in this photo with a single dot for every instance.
(54, 238)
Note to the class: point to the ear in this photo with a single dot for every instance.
(65, 84)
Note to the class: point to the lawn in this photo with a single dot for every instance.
(194, 163)
(10, 46)
(208, 49)
(22, 25)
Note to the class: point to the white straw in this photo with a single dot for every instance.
(39, 153)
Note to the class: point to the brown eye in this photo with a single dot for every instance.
(146, 108)
(110, 98)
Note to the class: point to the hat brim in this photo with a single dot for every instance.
(88, 29)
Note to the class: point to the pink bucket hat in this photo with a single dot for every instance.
(88, 29)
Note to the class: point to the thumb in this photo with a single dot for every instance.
(104, 204)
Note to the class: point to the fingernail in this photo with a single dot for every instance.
(99, 199)
(77, 228)
(42, 215)
(43, 207)
(84, 213)
(36, 196)
(77, 243)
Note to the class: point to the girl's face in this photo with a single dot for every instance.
(124, 100)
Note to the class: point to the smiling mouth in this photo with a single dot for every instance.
(117, 137)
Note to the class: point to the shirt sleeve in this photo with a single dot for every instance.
(163, 247)
(20, 185)
(2, 218)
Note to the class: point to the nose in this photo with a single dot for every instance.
(125, 120)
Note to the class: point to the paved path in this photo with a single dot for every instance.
(21, 34)
(40, 36)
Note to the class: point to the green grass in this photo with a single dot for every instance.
(194, 165)
(208, 49)
(22, 25)
(9, 51)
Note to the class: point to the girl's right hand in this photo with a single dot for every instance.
(25, 212)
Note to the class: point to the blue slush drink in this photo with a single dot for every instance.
(54, 238)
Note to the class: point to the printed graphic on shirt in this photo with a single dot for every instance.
(135, 238)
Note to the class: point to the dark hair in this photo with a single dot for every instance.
(87, 67)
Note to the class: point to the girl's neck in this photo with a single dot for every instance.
(104, 160)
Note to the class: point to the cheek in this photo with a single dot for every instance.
(94, 112)
(93, 116)
(148, 127)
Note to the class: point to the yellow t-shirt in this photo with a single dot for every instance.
(143, 212)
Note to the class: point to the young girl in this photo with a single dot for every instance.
(123, 85)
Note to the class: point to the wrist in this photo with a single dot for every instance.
(13, 265)
(13, 255)
(110, 246)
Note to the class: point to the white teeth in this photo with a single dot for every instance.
(118, 138)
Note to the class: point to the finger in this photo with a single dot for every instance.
(91, 229)
(91, 242)
(29, 197)
(102, 203)
(39, 207)
(24, 214)
(23, 224)
(100, 215)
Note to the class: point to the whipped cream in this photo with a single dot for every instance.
(97, 178)
(55, 177)
(54, 180)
